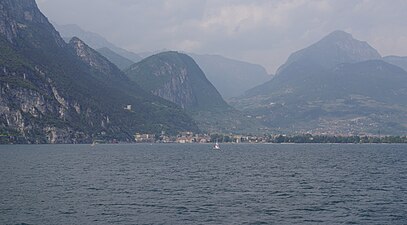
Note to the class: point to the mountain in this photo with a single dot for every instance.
(115, 58)
(54, 92)
(176, 77)
(231, 77)
(338, 85)
(337, 47)
(400, 61)
(94, 40)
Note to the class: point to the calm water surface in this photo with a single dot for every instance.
(193, 184)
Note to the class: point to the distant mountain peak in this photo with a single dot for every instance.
(79, 46)
(84, 52)
(339, 34)
(335, 48)
(345, 42)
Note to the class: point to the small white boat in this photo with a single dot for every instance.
(216, 146)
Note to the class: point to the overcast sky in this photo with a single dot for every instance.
(265, 32)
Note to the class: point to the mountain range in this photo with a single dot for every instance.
(94, 40)
(338, 85)
(57, 92)
(230, 77)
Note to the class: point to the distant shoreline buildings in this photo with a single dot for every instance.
(190, 137)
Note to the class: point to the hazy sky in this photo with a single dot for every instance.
(259, 31)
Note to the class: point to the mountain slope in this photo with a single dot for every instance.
(176, 77)
(52, 92)
(310, 93)
(231, 77)
(93, 40)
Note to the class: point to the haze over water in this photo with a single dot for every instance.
(193, 184)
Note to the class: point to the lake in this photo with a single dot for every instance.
(193, 184)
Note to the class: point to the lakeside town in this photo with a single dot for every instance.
(190, 137)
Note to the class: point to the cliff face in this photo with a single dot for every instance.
(53, 92)
(177, 78)
(31, 108)
(178, 89)
(33, 111)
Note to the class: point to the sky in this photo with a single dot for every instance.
(264, 32)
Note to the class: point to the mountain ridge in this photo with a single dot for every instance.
(400, 61)
(94, 40)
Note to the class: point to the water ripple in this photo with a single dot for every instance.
(191, 184)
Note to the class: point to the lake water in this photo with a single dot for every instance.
(193, 184)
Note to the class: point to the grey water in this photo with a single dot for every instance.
(193, 184)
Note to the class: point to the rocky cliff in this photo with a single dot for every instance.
(32, 111)
(176, 77)
(95, 61)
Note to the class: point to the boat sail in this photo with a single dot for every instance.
(216, 146)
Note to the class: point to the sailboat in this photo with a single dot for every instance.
(216, 146)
